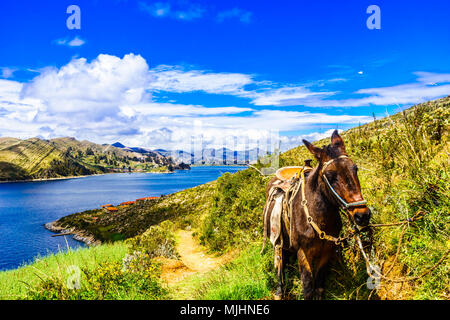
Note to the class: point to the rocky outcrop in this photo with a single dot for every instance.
(78, 235)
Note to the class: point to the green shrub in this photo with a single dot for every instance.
(157, 241)
(236, 214)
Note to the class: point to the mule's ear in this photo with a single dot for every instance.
(337, 141)
(316, 151)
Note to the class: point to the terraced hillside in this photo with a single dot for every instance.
(63, 157)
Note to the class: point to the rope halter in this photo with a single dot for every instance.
(344, 203)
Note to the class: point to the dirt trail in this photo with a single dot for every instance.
(193, 260)
(193, 255)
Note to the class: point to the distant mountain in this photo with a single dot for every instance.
(137, 149)
(215, 156)
(118, 145)
(62, 157)
(205, 156)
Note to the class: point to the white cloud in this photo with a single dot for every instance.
(282, 96)
(433, 78)
(173, 79)
(81, 86)
(7, 72)
(186, 11)
(428, 86)
(289, 142)
(164, 109)
(75, 42)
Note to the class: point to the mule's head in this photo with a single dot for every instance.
(340, 175)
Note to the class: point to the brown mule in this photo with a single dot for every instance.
(332, 185)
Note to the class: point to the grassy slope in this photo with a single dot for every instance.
(27, 159)
(14, 284)
(154, 162)
(8, 141)
(403, 164)
(184, 207)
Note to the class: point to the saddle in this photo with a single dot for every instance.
(281, 195)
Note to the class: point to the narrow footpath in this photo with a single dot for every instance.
(193, 260)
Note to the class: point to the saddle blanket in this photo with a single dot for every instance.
(275, 218)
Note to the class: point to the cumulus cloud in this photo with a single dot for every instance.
(82, 86)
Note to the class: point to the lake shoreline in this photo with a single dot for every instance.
(79, 235)
(57, 178)
(101, 174)
(83, 176)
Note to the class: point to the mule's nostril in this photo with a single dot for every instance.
(362, 219)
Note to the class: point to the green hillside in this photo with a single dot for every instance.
(404, 168)
(64, 157)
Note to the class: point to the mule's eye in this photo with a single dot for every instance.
(331, 176)
(355, 168)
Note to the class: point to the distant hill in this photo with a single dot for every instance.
(141, 150)
(118, 145)
(62, 157)
(207, 156)
(215, 156)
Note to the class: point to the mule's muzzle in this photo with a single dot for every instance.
(361, 215)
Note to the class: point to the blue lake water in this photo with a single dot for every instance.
(26, 206)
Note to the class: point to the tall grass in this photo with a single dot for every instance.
(16, 284)
(248, 277)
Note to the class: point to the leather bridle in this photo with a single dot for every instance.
(344, 203)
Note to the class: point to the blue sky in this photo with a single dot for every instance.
(151, 73)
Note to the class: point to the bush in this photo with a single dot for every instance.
(236, 214)
(157, 241)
